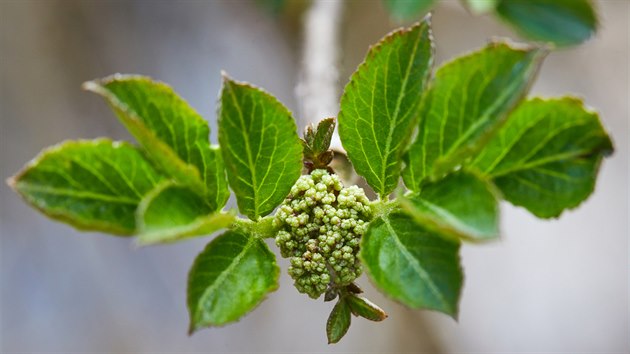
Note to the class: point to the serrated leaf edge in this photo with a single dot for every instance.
(98, 87)
(371, 53)
(452, 312)
(194, 327)
(13, 182)
(227, 80)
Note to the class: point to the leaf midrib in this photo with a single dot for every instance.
(543, 161)
(485, 116)
(397, 110)
(449, 221)
(250, 163)
(416, 265)
(225, 273)
(25, 186)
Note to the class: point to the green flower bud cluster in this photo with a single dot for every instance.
(321, 225)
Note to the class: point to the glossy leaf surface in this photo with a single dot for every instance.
(562, 22)
(230, 277)
(467, 101)
(261, 148)
(170, 213)
(380, 104)
(338, 322)
(175, 137)
(547, 155)
(363, 307)
(461, 205)
(412, 265)
(91, 185)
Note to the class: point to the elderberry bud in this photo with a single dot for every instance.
(321, 225)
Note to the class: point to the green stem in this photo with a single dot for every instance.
(262, 228)
(381, 207)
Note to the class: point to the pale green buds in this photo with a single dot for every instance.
(322, 223)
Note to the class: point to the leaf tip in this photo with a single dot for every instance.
(98, 85)
(427, 18)
(225, 77)
(192, 328)
(92, 86)
(454, 315)
(12, 182)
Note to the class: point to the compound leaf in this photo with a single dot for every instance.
(411, 264)
(380, 104)
(175, 137)
(408, 9)
(466, 102)
(546, 157)
(562, 22)
(91, 185)
(261, 148)
(230, 277)
(338, 322)
(170, 213)
(460, 205)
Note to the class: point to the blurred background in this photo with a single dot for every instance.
(546, 286)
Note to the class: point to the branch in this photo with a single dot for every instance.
(318, 87)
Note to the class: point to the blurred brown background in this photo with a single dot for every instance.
(552, 286)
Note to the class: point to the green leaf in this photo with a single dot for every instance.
(230, 277)
(408, 9)
(363, 307)
(316, 144)
(175, 137)
(380, 104)
(467, 101)
(478, 7)
(461, 205)
(170, 213)
(213, 169)
(338, 322)
(546, 157)
(323, 135)
(412, 265)
(91, 185)
(562, 22)
(261, 148)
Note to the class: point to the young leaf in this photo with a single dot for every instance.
(363, 307)
(562, 22)
(408, 9)
(91, 185)
(546, 157)
(338, 321)
(261, 148)
(466, 102)
(460, 205)
(323, 135)
(412, 265)
(316, 144)
(380, 104)
(170, 213)
(175, 137)
(230, 277)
